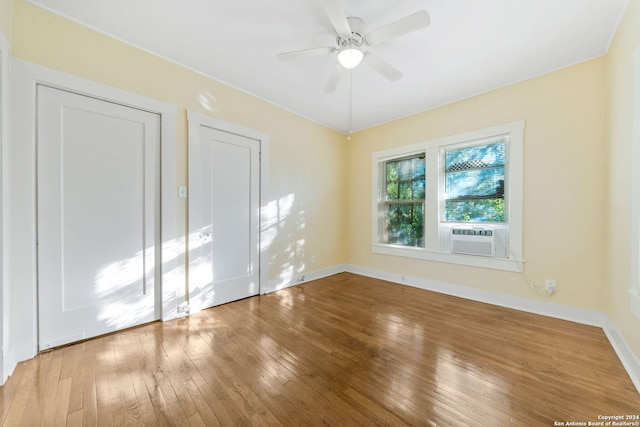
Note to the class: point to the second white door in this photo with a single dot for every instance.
(224, 212)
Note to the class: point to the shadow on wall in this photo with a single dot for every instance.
(283, 226)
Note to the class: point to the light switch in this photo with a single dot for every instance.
(182, 192)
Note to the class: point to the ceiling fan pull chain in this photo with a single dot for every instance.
(350, 102)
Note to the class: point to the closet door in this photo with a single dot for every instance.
(224, 212)
(98, 216)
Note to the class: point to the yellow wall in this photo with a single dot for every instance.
(620, 110)
(564, 183)
(306, 159)
(6, 18)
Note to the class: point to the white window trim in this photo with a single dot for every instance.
(634, 291)
(431, 251)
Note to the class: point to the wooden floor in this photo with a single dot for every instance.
(345, 350)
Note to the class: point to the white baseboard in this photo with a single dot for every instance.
(558, 311)
(573, 314)
(300, 278)
(626, 356)
(10, 365)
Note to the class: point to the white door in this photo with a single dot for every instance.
(98, 216)
(224, 212)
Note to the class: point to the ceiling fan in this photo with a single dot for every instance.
(352, 38)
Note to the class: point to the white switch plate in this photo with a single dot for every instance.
(182, 192)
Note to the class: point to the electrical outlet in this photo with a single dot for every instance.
(183, 308)
(550, 286)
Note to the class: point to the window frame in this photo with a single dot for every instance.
(434, 191)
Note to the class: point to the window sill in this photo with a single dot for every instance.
(469, 260)
(635, 302)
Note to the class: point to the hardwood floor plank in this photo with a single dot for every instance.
(61, 403)
(72, 368)
(204, 411)
(74, 419)
(179, 374)
(87, 378)
(103, 370)
(196, 420)
(43, 394)
(344, 350)
(134, 355)
(20, 386)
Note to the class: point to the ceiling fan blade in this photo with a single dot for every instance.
(334, 78)
(381, 67)
(305, 53)
(408, 24)
(338, 18)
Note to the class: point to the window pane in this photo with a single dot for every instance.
(491, 210)
(418, 168)
(418, 189)
(392, 171)
(392, 191)
(405, 169)
(406, 191)
(405, 179)
(405, 224)
(475, 183)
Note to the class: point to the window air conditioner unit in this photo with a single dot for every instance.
(470, 240)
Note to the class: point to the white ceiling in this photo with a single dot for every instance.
(471, 47)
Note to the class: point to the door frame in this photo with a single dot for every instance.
(4, 141)
(198, 120)
(23, 168)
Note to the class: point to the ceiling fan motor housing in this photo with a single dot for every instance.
(356, 38)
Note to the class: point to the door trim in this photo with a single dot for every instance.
(22, 175)
(4, 141)
(197, 120)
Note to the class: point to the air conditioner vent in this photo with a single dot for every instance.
(470, 240)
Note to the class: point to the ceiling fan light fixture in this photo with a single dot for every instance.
(350, 57)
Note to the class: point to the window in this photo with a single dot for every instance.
(403, 203)
(426, 193)
(474, 182)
